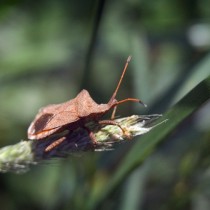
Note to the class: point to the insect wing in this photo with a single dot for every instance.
(51, 118)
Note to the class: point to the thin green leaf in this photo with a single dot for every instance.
(143, 148)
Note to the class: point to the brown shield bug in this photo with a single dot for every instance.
(75, 113)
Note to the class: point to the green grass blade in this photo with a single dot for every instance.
(143, 148)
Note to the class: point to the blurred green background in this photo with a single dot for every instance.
(50, 50)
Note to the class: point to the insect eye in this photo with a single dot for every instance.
(41, 122)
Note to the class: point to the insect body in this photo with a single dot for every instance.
(73, 114)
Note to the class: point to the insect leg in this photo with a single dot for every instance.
(113, 113)
(54, 144)
(91, 135)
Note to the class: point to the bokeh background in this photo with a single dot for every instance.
(50, 50)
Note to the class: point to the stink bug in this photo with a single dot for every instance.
(75, 113)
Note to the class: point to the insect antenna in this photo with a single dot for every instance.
(129, 99)
(120, 81)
